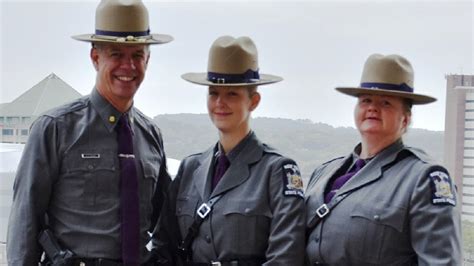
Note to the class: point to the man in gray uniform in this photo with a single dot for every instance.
(92, 175)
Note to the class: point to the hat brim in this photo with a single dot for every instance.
(151, 39)
(415, 98)
(201, 79)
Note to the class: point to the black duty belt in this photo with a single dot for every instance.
(94, 262)
(240, 262)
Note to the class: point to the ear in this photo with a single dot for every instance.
(147, 59)
(94, 54)
(254, 101)
(406, 120)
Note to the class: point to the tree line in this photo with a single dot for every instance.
(309, 144)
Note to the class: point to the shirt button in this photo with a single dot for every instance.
(90, 167)
(377, 217)
(208, 239)
(316, 239)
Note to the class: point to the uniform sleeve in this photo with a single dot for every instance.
(31, 193)
(435, 219)
(286, 240)
(164, 179)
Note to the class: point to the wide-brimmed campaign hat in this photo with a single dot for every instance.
(390, 75)
(232, 62)
(123, 22)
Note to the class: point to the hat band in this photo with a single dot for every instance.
(393, 87)
(122, 33)
(249, 76)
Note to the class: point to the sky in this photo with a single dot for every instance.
(314, 45)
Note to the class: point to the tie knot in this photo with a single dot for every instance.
(123, 124)
(359, 164)
(223, 161)
(123, 120)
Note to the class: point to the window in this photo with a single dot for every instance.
(24, 132)
(7, 132)
(25, 119)
(13, 120)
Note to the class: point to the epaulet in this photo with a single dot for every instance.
(332, 160)
(269, 149)
(420, 154)
(193, 155)
(144, 119)
(142, 116)
(64, 109)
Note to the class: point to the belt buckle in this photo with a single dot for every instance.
(203, 211)
(322, 211)
(81, 263)
(216, 263)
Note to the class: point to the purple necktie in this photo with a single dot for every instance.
(129, 207)
(340, 181)
(222, 165)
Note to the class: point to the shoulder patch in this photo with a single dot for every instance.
(442, 188)
(292, 181)
(420, 154)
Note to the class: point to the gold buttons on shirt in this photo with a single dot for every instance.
(112, 119)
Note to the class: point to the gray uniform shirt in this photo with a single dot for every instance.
(70, 172)
(401, 210)
(260, 214)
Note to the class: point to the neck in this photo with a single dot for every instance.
(372, 145)
(229, 140)
(122, 105)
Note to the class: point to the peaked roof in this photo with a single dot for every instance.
(48, 93)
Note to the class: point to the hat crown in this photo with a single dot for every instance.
(229, 55)
(121, 16)
(390, 69)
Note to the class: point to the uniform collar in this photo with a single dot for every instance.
(396, 145)
(107, 111)
(237, 149)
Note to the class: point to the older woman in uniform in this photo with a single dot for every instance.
(385, 203)
(240, 202)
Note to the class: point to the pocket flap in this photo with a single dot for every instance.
(392, 216)
(247, 208)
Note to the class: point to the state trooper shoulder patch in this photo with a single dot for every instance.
(441, 187)
(292, 182)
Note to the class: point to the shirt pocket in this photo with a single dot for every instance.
(373, 230)
(248, 223)
(89, 177)
(186, 207)
(151, 170)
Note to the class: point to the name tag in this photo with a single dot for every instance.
(90, 155)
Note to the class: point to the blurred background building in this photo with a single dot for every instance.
(459, 151)
(16, 117)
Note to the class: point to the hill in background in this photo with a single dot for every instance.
(308, 143)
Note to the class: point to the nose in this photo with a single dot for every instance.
(373, 106)
(220, 100)
(128, 62)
